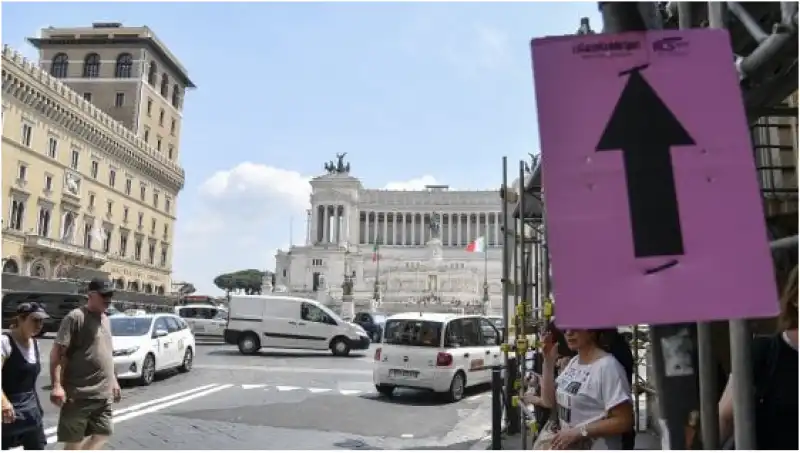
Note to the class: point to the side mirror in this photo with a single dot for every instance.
(160, 333)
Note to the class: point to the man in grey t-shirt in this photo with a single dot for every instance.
(82, 372)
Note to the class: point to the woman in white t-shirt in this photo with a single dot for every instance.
(592, 394)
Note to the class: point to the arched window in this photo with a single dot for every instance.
(152, 74)
(164, 85)
(124, 68)
(176, 96)
(10, 267)
(91, 66)
(68, 230)
(60, 65)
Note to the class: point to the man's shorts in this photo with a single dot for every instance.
(82, 418)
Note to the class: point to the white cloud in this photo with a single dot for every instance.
(242, 216)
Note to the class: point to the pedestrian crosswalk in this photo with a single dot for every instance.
(312, 390)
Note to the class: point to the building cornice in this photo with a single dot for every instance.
(32, 86)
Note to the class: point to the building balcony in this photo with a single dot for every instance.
(53, 245)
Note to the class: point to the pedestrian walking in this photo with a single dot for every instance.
(82, 371)
(22, 411)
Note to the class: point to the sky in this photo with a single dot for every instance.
(414, 93)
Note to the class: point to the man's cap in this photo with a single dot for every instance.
(101, 286)
(32, 309)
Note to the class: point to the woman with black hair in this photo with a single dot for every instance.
(22, 411)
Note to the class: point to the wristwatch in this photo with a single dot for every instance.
(584, 432)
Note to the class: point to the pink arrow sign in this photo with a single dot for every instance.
(653, 206)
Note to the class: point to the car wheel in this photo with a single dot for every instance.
(340, 348)
(456, 391)
(385, 390)
(188, 358)
(148, 370)
(249, 344)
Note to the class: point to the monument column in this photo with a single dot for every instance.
(405, 228)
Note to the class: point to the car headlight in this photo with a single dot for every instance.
(124, 352)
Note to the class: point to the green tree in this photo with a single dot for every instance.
(247, 281)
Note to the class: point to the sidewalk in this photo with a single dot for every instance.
(644, 441)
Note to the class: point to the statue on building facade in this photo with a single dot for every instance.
(435, 225)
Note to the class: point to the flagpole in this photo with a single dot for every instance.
(485, 276)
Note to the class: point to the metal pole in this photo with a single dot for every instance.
(497, 408)
(510, 362)
(742, 374)
(636, 406)
(523, 284)
(504, 236)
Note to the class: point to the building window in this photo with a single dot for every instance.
(112, 177)
(52, 147)
(158, 143)
(128, 186)
(176, 96)
(87, 96)
(172, 127)
(119, 100)
(59, 68)
(27, 133)
(17, 214)
(166, 231)
(164, 255)
(167, 204)
(137, 250)
(161, 118)
(146, 135)
(125, 214)
(48, 183)
(106, 240)
(164, 85)
(124, 68)
(95, 169)
(22, 173)
(76, 157)
(43, 227)
(87, 235)
(316, 262)
(68, 227)
(142, 192)
(155, 199)
(153, 227)
(151, 253)
(170, 151)
(140, 223)
(109, 207)
(152, 75)
(91, 201)
(123, 244)
(149, 106)
(91, 66)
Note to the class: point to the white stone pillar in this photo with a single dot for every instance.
(413, 228)
(385, 238)
(460, 222)
(395, 228)
(326, 224)
(308, 225)
(404, 219)
(496, 217)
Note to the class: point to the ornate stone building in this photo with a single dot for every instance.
(89, 184)
(408, 248)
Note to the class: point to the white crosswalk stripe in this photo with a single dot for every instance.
(289, 388)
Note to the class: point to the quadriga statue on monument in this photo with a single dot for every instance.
(340, 165)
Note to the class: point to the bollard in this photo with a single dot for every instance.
(512, 412)
(497, 408)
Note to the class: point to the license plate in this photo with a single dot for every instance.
(403, 373)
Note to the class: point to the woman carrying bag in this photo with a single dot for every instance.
(22, 412)
(591, 396)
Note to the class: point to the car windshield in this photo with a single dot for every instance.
(411, 332)
(130, 326)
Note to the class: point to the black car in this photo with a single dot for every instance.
(57, 305)
(373, 323)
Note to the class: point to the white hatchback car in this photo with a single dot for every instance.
(144, 345)
(436, 351)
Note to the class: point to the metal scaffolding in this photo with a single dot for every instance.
(764, 41)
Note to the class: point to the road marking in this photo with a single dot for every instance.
(253, 386)
(135, 407)
(349, 392)
(475, 397)
(286, 388)
(406, 436)
(155, 408)
(315, 390)
(290, 370)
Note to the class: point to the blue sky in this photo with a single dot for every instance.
(414, 93)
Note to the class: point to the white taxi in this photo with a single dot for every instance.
(204, 320)
(147, 344)
(440, 352)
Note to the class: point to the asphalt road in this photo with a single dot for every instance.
(297, 400)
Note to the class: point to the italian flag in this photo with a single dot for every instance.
(477, 246)
(375, 255)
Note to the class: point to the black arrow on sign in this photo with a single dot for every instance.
(644, 129)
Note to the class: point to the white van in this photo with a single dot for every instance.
(436, 351)
(285, 322)
(204, 320)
